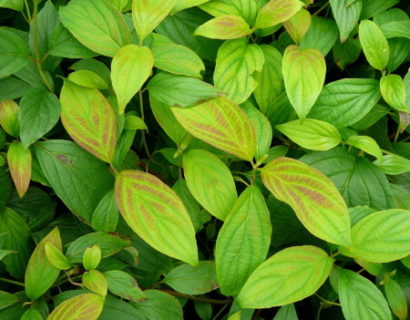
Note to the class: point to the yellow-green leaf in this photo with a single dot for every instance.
(396, 298)
(224, 27)
(367, 144)
(95, 281)
(381, 237)
(311, 134)
(147, 15)
(374, 44)
(243, 241)
(87, 306)
(304, 73)
(288, 276)
(277, 11)
(313, 196)
(236, 63)
(19, 161)
(88, 79)
(156, 214)
(298, 25)
(9, 117)
(56, 257)
(184, 4)
(92, 257)
(40, 273)
(394, 92)
(89, 119)
(130, 68)
(97, 25)
(215, 190)
(393, 164)
(222, 124)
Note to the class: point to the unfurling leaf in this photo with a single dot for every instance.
(156, 214)
(277, 11)
(288, 276)
(19, 161)
(95, 281)
(130, 68)
(394, 92)
(374, 44)
(304, 75)
(89, 119)
(9, 117)
(222, 124)
(92, 257)
(56, 257)
(224, 27)
(298, 25)
(313, 196)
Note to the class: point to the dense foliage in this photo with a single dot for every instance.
(204, 159)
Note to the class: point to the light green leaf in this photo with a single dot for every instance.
(244, 8)
(7, 299)
(215, 191)
(304, 73)
(396, 298)
(84, 306)
(346, 101)
(383, 236)
(130, 68)
(394, 92)
(287, 312)
(365, 143)
(95, 281)
(174, 58)
(322, 35)
(32, 314)
(106, 214)
(313, 196)
(40, 273)
(193, 280)
(277, 11)
(148, 14)
(56, 257)
(124, 285)
(17, 5)
(14, 54)
(222, 124)
(396, 29)
(184, 4)
(268, 286)
(374, 44)
(224, 27)
(19, 162)
(9, 117)
(347, 14)
(298, 25)
(360, 298)
(88, 79)
(156, 214)
(236, 63)
(92, 257)
(97, 25)
(311, 134)
(393, 164)
(243, 241)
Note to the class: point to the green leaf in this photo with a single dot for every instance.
(156, 214)
(244, 8)
(236, 63)
(238, 250)
(192, 280)
(347, 52)
(298, 25)
(365, 143)
(311, 134)
(148, 14)
(84, 306)
(224, 27)
(374, 44)
(7, 299)
(347, 14)
(19, 161)
(123, 285)
(32, 314)
(360, 298)
(17, 5)
(391, 241)
(322, 35)
(95, 281)
(277, 11)
(40, 273)
(130, 68)
(56, 257)
(373, 7)
(313, 196)
(269, 79)
(393, 164)
(88, 79)
(394, 92)
(287, 312)
(222, 124)
(89, 119)
(13, 52)
(78, 178)
(97, 25)
(106, 214)
(216, 190)
(184, 4)
(119, 309)
(12, 88)
(396, 298)
(9, 117)
(304, 75)
(92, 257)
(39, 113)
(268, 285)
(174, 58)
(181, 91)
(346, 101)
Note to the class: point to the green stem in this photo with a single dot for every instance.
(28, 11)
(144, 140)
(17, 283)
(327, 301)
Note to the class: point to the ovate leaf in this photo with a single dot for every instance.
(124, 285)
(215, 191)
(9, 117)
(14, 54)
(365, 143)
(244, 8)
(374, 44)
(130, 68)
(89, 119)
(304, 74)
(19, 161)
(95, 281)
(393, 164)
(224, 27)
(268, 286)
(222, 124)
(394, 92)
(287, 312)
(396, 298)
(97, 25)
(347, 14)
(56, 257)
(383, 236)
(156, 214)
(40, 273)
(236, 63)
(277, 11)
(313, 196)
(321, 35)
(88, 79)
(106, 214)
(84, 306)
(243, 241)
(298, 25)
